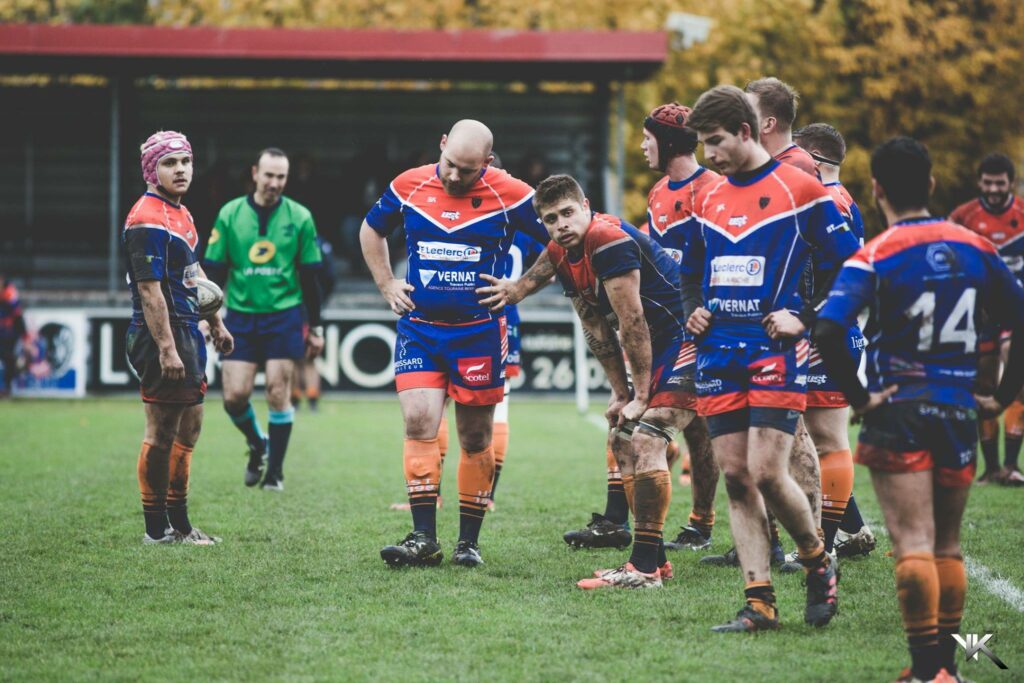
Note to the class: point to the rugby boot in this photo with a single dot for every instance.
(415, 550)
(853, 545)
(907, 676)
(626, 576)
(196, 537)
(467, 554)
(254, 468)
(748, 620)
(731, 559)
(665, 570)
(600, 533)
(163, 540)
(822, 595)
(690, 538)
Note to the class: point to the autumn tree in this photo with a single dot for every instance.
(944, 71)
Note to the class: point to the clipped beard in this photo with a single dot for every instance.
(996, 199)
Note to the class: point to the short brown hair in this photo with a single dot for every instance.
(554, 189)
(824, 138)
(723, 106)
(775, 98)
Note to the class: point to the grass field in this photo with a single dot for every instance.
(297, 591)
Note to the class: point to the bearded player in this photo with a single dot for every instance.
(459, 216)
(998, 216)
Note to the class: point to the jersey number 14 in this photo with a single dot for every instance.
(958, 327)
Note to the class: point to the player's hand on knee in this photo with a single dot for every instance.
(875, 399)
(396, 293)
(171, 366)
(633, 411)
(783, 324)
(988, 406)
(699, 322)
(499, 294)
(615, 405)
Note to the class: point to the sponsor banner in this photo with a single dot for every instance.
(737, 271)
(447, 251)
(359, 355)
(55, 356)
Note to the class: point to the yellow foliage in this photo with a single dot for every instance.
(944, 71)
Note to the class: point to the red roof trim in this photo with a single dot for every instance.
(611, 47)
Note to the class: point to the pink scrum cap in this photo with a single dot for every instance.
(156, 147)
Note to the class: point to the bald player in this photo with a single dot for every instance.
(460, 216)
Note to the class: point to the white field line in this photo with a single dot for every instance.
(996, 585)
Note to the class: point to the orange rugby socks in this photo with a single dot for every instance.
(616, 507)
(152, 471)
(1013, 434)
(836, 488)
(422, 461)
(499, 442)
(476, 473)
(177, 490)
(952, 592)
(917, 588)
(652, 492)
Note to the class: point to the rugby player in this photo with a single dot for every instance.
(926, 282)
(263, 251)
(757, 226)
(775, 103)
(998, 216)
(459, 217)
(611, 529)
(828, 414)
(166, 349)
(521, 254)
(668, 145)
(612, 271)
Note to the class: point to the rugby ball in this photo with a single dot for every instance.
(211, 297)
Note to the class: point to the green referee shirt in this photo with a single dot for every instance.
(262, 248)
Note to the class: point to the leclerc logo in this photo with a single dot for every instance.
(475, 371)
(443, 251)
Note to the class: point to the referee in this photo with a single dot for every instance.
(263, 251)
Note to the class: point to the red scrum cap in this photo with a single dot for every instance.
(667, 123)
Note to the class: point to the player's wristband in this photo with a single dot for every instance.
(317, 331)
